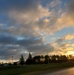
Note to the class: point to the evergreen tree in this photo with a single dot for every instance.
(21, 60)
(29, 60)
(30, 56)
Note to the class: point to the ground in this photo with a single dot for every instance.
(33, 69)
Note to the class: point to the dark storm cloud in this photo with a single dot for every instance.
(41, 49)
(29, 41)
(6, 39)
(71, 6)
(19, 5)
(10, 45)
(9, 39)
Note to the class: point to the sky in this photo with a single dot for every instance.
(36, 26)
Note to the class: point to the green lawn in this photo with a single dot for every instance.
(29, 69)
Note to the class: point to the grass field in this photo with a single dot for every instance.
(30, 69)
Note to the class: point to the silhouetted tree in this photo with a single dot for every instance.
(15, 63)
(36, 59)
(30, 56)
(29, 60)
(63, 58)
(46, 59)
(21, 61)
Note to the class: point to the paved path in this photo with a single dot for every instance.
(63, 72)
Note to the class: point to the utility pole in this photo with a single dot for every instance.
(12, 59)
(48, 57)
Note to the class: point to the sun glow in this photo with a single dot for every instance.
(70, 53)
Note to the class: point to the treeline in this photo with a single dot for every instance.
(46, 59)
(40, 59)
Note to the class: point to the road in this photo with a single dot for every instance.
(69, 71)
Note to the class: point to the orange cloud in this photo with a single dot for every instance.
(69, 37)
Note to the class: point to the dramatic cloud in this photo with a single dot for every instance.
(14, 46)
(69, 37)
(67, 17)
(71, 7)
(63, 45)
(26, 25)
(31, 18)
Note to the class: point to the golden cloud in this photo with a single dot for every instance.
(69, 37)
